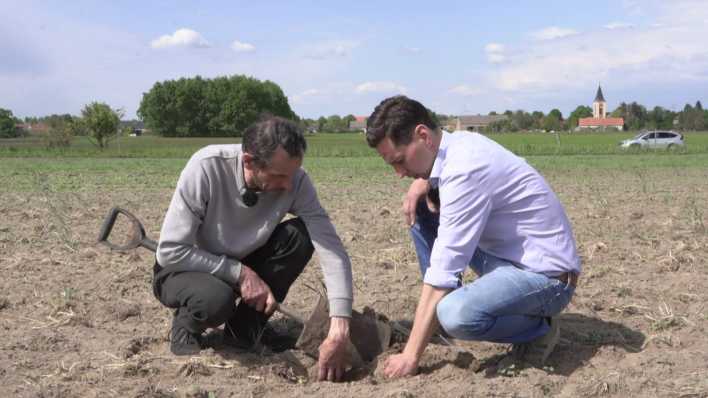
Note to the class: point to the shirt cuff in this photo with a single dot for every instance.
(441, 278)
(340, 307)
(233, 273)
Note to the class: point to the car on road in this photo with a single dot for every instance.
(654, 139)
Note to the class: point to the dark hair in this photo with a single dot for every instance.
(395, 118)
(262, 138)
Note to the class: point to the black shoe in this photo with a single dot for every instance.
(184, 342)
(267, 337)
(277, 342)
(237, 340)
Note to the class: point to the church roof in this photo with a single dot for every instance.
(598, 96)
(479, 120)
(597, 122)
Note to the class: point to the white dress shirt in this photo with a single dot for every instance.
(494, 200)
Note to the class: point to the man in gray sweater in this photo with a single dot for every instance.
(223, 239)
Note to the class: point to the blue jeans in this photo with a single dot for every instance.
(504, 305)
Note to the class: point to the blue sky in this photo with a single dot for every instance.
(342, 57)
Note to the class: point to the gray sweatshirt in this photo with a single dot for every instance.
(207, 227)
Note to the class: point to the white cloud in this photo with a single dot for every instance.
(240, 47)
(553, 32)
(670, 52)
(380, 87)
(627, 57)
(305, 95)
(412, 50)
(330, 49)
(496, 58)
(183, 37)
(495, 53)
(466, 90)
(618, 25)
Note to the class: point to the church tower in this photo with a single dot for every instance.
(599, 106)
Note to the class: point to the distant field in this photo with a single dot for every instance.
(95, 174)
(344, 159)
(338, 145)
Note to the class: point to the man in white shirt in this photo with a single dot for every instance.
(474, 203)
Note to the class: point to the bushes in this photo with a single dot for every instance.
(8, 125)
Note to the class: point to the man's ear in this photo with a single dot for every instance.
(249, 162)
(423, 132)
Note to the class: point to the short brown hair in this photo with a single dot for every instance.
(395, 118)
(262, 138)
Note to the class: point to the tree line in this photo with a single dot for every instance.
(224, 106)
(636, 117)
(98, 122)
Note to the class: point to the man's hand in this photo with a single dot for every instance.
(418, 189)
(333, 351)
(255, 292)
(425, 322)
(400, 365)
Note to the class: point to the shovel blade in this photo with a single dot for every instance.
(365, 346)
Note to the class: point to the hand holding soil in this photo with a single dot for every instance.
(400, 365)
(333, 358)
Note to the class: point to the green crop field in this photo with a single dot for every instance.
(98, 174)
(151, 162)
(340, 145)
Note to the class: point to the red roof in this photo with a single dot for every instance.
(361, 119)
(597, 122)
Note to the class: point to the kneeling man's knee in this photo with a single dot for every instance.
(461, 320)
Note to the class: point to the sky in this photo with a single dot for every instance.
(344, 57)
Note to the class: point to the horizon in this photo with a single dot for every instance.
(454, 57)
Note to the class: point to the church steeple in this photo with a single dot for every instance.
(598, 96)
(599, 106)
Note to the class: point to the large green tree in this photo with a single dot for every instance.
(580, 112)
(698, 117)
(660, 118)
(336, 124)
(522, 121)
(553, 121)
(8, 124)
(634, 115)
(321, 124)
(223, 106)
(101, 123)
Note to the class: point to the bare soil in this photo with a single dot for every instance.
(80, 320)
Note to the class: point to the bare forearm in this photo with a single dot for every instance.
(338, 328)
(425, 321)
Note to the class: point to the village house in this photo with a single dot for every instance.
(358, 124)
(472, 122)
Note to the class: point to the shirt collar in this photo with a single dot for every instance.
(439, 159)
(240, 176)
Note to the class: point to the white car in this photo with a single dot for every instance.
(654, 139)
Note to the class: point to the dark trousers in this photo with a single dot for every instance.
(201, 300)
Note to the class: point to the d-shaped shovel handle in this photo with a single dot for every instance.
(137, 238)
